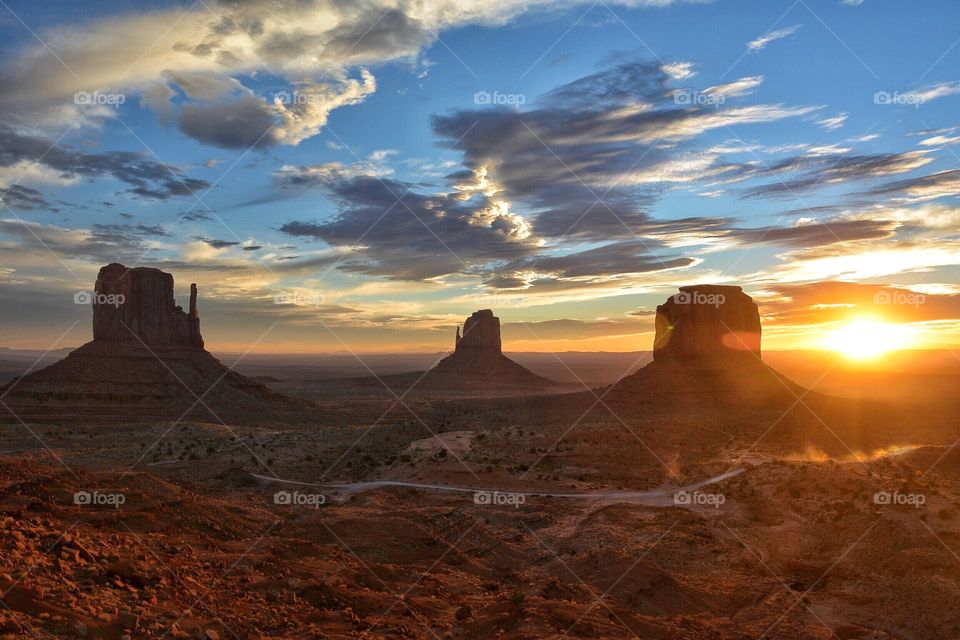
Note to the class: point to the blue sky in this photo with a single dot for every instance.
(804, 150)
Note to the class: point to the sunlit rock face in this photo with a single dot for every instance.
(137, 305)
(707, 326)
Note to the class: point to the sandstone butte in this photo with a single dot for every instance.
(146, 361)
(478, 358)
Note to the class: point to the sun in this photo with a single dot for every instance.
(866, 339)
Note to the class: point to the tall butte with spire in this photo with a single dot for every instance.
(146, 361)
(477, 359)
(148, 313)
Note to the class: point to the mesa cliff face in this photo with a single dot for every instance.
(707, 326)
(138, 305)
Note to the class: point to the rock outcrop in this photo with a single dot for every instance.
(478, 361)
(481, 333)
(147, 362)
(706, 351)
(707, 326)
(138, 305)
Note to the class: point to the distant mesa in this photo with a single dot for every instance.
(478, 359)
(146, 362)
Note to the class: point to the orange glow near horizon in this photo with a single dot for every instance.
(868, 338)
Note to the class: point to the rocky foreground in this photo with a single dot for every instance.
(195, 548)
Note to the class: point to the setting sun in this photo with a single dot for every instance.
(866, 339)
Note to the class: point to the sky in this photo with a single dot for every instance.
(360, 176)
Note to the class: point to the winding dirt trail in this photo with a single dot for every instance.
(656, 497)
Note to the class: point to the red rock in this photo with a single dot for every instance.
(138, 305)
(707, 326)
(147, 360)
(481, 331)
(478, 359)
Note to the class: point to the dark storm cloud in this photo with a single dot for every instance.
(625, 83)
(611, 259)
(537, 162)
(585, 163)
(197, 216)
(126, 234)
(232, 124)
(101, 244)
(23, 198)
(829, 169)
(586, 156)
(928, 187)
(816, 235)
(147, 178)
(373, 32)
(404, 235)
(217, 244)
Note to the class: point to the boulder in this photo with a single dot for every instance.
(707, 326)
(137, 305)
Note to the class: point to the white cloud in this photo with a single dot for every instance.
(679, 70)
(770, 36)
(939, 140)
(740, 87)
(833, 123)
(315, 46)
(935, 91)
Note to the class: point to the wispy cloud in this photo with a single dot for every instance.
(934, 91)
(678, 70)
(741, 87)
(771, 36)
(833, 123)
(940, 140)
